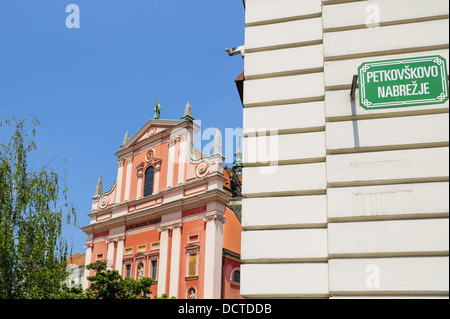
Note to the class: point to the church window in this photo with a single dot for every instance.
(128, 271)
(149, 176)
(236, 276)
(154, 269)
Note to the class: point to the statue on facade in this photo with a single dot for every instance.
(157, 110)
(192, 293)
(140, 271)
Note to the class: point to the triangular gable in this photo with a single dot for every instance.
(150, 129)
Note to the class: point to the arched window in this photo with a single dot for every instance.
(148, 186)
(236, 276)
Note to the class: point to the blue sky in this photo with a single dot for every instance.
(90, 85)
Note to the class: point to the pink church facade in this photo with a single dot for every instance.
(168, 216)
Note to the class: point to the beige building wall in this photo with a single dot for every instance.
(340, 201)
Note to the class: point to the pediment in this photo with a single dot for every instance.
(140, 255)
(153, 130)
(150, 129)
(192, 248)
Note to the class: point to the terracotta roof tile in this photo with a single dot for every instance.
(76, 259)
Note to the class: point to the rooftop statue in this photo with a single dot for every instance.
(157, 110)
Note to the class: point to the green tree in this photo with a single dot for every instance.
(33, 208)
(67, 292)
(109, 284)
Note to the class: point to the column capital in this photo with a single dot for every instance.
(170, 226)
(184, 137)
(176, 225)
(115, 239)
(88, 245)
(214, 216)
(129, 159)
(172, 141)
(163, 228)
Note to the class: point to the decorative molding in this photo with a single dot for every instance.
(152, 131)
(190, 241)
(140, 170)
(120, 162)
(214, 216)
(139, 139)
(150, 155)
(192, 248)
(127, 260)
(115, 239)
(104, 200)
(171, 226)
(184, 137)
(147, 204)
(176, 225)
(163, 228)
(157, 164)
(129, 159)
(103, 216)
(143, 224)
(196, 190)
(172, 141)
(202, 169)
(140, 257)
(153, 256)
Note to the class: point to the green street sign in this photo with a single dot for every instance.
(403, 82)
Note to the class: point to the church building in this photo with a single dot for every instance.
(168, 215)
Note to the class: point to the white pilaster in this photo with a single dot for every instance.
(139, 183)
(182, 159)
(175, 260)
(128, 179)
(190, 142)
(119, 180)
(171, 163)
(163, 257)
(213, 254)
(110, 254)
(119, 254)
(156, 180)
(85, 282)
